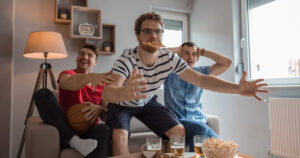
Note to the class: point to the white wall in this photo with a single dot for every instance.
(243, 119)
(32, 15)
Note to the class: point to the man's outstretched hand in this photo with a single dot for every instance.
(101, 79)
(249, 88)
(134, 86)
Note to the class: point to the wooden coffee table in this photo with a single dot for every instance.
(186, 155)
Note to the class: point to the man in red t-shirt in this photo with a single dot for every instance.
(79, 86)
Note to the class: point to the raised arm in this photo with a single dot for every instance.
(118, 92)
(222, 62)
(213, 83)
(175, 50)
(77, 81)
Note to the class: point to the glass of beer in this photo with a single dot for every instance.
(198, 140)
(152, 148)
(177, 145)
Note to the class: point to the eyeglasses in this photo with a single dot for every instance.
(148, 31)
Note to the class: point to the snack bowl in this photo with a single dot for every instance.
(220, 153)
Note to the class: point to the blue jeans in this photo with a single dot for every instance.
(193, 128)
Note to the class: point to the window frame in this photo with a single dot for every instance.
(178, 16)
(245, 47)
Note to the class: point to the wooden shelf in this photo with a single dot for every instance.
(107, 53)
(85, 15)
(67, 4)
(62, 21)
(108, 31)
(78, 13)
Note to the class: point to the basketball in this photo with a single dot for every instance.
(76, 119)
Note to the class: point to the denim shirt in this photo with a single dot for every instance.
(183, 98)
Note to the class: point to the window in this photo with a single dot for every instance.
(173, 35)
(176, 28)
(271, 31)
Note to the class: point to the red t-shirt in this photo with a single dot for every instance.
(85, 94)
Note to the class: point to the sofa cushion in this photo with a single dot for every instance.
(137, 126)
(70, 153)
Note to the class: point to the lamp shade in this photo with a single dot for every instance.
(40, 42)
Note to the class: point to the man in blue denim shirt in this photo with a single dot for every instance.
(183, 98)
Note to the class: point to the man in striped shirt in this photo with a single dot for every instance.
(154, 64)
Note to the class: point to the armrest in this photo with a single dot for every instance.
(41, 140)
(213, 122)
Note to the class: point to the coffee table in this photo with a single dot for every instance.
(186, 155)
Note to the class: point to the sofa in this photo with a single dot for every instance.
(42, 140)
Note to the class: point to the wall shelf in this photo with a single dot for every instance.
(76, 13)
(65, 6)
(85, 15)
(109, 36)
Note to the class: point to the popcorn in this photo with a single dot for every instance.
(216, 148)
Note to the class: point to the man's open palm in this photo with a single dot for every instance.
(249, 88)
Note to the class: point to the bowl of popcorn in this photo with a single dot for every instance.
(216, 148)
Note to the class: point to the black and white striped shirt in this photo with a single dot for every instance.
(166, 63)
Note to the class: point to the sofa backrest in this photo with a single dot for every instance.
(137, 126)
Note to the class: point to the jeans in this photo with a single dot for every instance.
(193, 128)
(52, 114)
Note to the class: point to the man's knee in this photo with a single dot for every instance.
(120, 136)
(176, 130)
(42, 92)
(103, 130)
(41, 96)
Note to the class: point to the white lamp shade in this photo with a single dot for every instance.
(40, 42)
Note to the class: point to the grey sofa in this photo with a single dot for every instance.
(42, 140)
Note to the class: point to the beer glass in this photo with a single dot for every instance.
(177, 145)
(152, 148)
(198, 140)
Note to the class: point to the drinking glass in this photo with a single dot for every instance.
(177, 145)
(198, 140)
(152, 148)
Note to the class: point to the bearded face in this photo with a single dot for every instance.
(150, 36)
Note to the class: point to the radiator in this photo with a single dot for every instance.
(285, 126)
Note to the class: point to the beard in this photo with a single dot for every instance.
(149, 48)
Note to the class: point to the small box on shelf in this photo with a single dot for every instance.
(63, 8)
(107, 44)
(86, 23)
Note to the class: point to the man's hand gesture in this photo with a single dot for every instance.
(101, 79)
(134, 86)
(248, 88)
(92, 111)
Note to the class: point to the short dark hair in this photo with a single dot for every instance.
(147, 16)
(92, 47)
(189, 44)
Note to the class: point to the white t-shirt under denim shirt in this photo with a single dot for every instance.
(166, 63)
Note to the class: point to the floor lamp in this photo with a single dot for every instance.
(42, 45)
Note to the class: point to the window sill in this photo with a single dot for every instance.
(282, 86)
